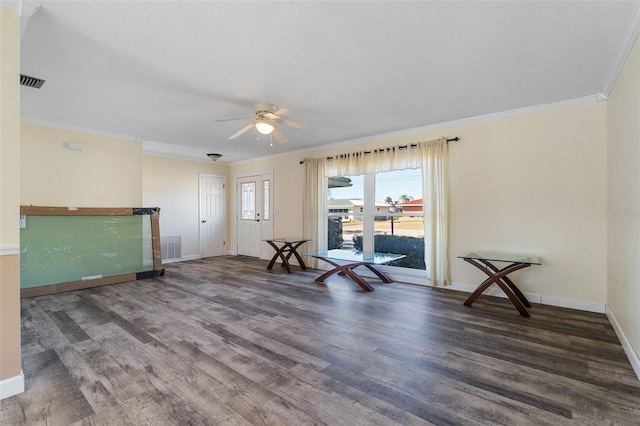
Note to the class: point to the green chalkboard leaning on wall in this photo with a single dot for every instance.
(86, 247)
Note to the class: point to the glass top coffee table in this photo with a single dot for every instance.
(354, 259)
(482, 260)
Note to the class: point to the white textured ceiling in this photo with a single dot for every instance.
(163, 71)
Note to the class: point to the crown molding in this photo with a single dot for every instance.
(158, 149)
(15, 5)
(21, 7)
(74, 128)
(174, 156)
(623, 50)
(486, 117)
(598, 97)
(179, 152)
(29, 8)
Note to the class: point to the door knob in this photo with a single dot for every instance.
(204, 221)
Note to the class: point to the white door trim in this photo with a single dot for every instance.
(224, 209)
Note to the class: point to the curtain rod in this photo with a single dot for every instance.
(413, 145)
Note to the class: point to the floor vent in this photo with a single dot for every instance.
(171, 246)
(28, 81)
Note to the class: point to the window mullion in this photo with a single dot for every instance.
(368, 212)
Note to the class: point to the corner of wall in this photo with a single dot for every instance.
(11, 378)
(626, 345)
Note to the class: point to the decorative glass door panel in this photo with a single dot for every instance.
(249, 235)
(266, 205)
(248, 191)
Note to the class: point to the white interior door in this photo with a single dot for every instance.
(250, 198)
(212, 216)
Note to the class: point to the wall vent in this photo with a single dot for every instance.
(29, 81)
(171, 246)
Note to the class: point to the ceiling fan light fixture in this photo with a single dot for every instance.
(265, 127)
(266, 122)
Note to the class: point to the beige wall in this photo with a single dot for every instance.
(535, 184)
(623, 155)
(173, 186)
(9, 318)
(529, 184)
(10, 127)
(107, 173)
(9, 203)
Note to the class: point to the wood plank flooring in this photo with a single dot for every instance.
(224, 341)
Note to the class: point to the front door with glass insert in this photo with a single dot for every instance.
(250, 198)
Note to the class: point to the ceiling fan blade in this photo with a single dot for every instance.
(232, 119)
(280, 137)
(297, 125)
(290, 123)
(241, 131)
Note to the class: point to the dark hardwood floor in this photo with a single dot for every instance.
(224, 341)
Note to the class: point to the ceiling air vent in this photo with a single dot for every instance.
(28, 81)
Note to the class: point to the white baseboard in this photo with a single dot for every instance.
(582, 305)
(182, 259)
(626, 345)
(535, 298)
(497, 292)
(9, 250)
(12, 386)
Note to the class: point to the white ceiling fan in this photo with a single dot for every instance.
(266, 121)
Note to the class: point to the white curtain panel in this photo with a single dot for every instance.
(435, 190)
(314, 209)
